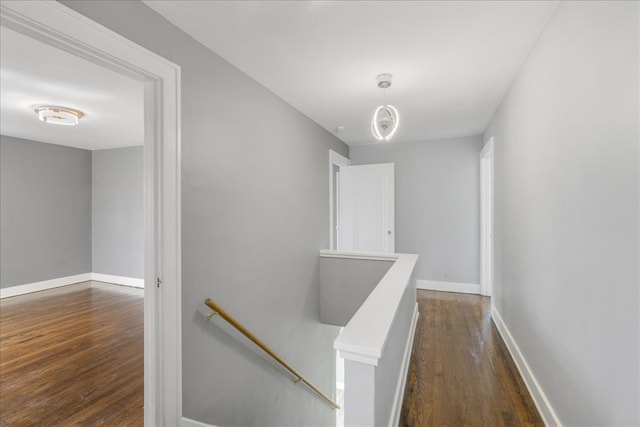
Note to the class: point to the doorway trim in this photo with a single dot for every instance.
(486, 219)
(335, 159)
(60, 27)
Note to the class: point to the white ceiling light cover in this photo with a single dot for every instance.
(59, 115)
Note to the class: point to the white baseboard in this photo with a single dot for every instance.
(43, 285)
(69, 280)
(187, 422)
(118, 280)
(404, 369)
(539, 398)
(464, 288)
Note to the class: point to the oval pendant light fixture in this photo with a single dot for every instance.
(386, 118)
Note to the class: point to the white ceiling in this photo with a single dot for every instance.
(452, 61)
(33, 73)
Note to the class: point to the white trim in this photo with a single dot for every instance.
(539, 397)
(358, 354)
(487, 194)
(371, 256)
(404, 369)
(364, 338)
(118, 280)
(27, 288)
(188, 422)
(487, 149)
(338, 159)
(57, 25)
(69, 280)
(464, 288)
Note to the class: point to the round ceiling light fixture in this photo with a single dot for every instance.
(58, 115)
(386, 118)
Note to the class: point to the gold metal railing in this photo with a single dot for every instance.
(247, 333)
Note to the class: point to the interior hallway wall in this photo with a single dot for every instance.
(437, 192)
(118, 212)
(255, 213)
(567, 182)
(45, 211)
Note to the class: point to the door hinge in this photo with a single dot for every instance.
(158, 281)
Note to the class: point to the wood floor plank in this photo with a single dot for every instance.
(73, 356)
(461, 373)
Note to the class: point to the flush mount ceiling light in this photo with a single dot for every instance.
(385, 119)
(58, 115)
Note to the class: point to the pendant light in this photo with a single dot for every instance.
(385, 118)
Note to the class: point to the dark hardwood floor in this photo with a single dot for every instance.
(72, 356)
(461, 373)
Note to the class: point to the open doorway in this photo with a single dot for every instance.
(486, 219)
(336, 161)
(72, 241)
(54, 24)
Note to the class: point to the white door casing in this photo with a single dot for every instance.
(336, 160)
(367, 208)
(486, 219)
(60, 27)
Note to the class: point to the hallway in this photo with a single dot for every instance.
(461, 373)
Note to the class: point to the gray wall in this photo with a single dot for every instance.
(566, 212)
(45, 211)
(255, 198)
(437, 204)
(118, 212)
(345, 283)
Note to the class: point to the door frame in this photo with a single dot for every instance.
(63, 28)
(335, 159)
(486, 219)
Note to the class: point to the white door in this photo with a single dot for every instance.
(366, 208)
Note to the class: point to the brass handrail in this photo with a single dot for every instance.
(299, 378)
